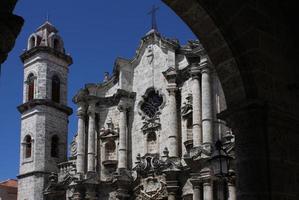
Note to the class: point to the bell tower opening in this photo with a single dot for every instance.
(30, 87)
(56, 89)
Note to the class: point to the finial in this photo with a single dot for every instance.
(154, 20)
(47, 16)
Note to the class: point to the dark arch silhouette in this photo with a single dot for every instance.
(56, 89)
(55, 146)
(253, 47)
(28, 146)
(30, 87)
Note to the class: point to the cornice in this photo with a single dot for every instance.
(27, 54)
(108, 101)
(46, 102)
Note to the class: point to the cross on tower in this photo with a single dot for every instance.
(153, 13)
(47, 17)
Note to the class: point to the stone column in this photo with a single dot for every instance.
(172, 128)
(207, 190)
(196, 188)
(231, 189)
(196, 193)
(122, 149)
(207, 104)
(91, 139)
(196, 105)
(80, 139)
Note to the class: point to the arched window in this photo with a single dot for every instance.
(55, 89)
(151, 104)
(110, 153)
(56, 44)
(151, 142)
(28, 146)
(32, 42)
(30, 86)
(55, 146)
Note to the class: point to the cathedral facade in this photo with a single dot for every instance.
(148, 131)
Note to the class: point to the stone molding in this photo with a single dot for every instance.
(81, 111)
(44, 102)
(113, 100)
(32, 173)
(35, 50)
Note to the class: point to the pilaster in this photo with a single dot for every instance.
(196, 182)
(122, 149)
(91, 138)
(81, 113)
(231, 184)
(170, 76)
(196, 105)
(207, 104)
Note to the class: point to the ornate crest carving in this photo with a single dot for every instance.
(151, 124)
(151, 188)
(151, 164)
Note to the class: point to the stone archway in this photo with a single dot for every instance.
(252, 45)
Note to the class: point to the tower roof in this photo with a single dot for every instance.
(48, 26)
(46, 39)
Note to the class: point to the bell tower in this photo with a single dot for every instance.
(44, 111)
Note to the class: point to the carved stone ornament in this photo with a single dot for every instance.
(110, 130)
(152, 188)
(150, 54)
(51, 187)
(148, 164)
(149, 109)
(197, 153)
(229, 143)
(187, 106)
(151, 103)
(151, 164)
(151, 124)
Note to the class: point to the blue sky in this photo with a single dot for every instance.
(94, 33)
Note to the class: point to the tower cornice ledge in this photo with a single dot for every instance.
(110, 100)
(36, 102)
(38, 49)
(32, 173)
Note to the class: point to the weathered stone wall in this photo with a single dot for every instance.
(44, 66)
(42, 122)
(31, 187)
(110, 114)
(147, 75)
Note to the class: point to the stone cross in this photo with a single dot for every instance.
(153, 13)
